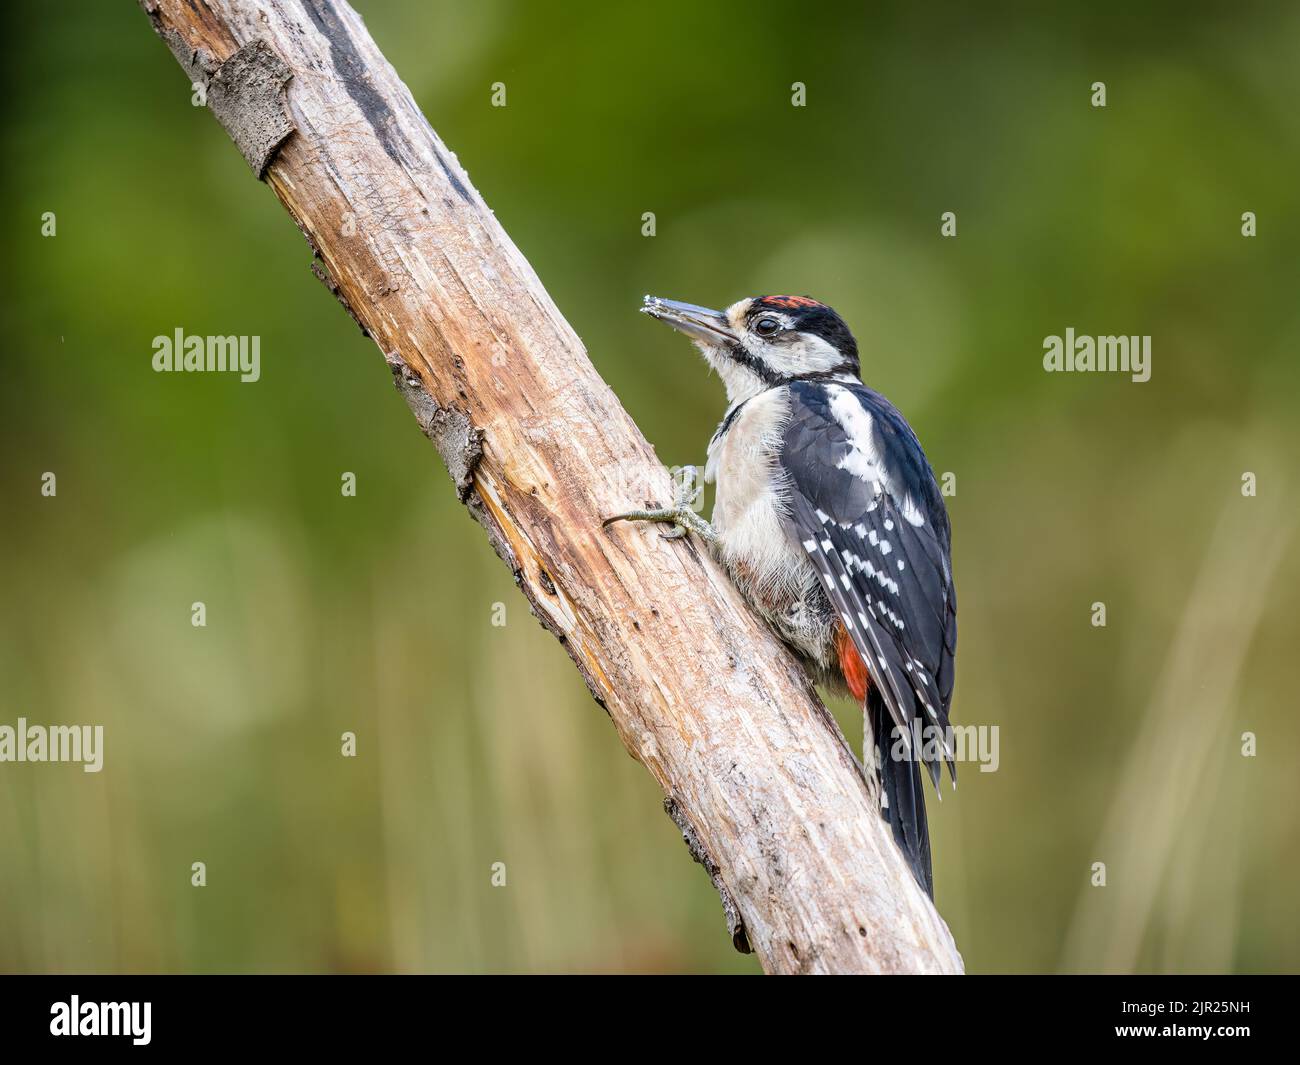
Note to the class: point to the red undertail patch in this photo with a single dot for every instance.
(851, 664)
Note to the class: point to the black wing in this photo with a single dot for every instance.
(865, 506)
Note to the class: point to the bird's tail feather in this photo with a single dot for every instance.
(903, 797)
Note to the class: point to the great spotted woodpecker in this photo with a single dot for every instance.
(828, 518)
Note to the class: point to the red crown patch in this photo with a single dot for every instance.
(787, 302)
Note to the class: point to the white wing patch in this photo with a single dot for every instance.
(911, 511)
(863, 460)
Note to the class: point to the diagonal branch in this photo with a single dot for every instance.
(754, 771)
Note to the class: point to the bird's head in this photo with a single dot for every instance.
(764, 340)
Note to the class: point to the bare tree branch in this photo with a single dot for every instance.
(754, 770)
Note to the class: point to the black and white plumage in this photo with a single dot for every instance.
(829, 519)
(867, 511)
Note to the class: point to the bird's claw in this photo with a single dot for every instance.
(681, 515)
(682, 519)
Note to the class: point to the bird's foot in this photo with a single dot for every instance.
(683, 520)
(680, 515)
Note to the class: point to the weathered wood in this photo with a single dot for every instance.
(753, 768)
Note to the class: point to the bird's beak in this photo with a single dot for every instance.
(698, 323)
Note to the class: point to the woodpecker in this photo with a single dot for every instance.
(828, 518)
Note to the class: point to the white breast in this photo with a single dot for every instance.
(770, 569)
(748, 504)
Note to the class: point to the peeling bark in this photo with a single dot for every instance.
(458, 442)
(757, 777)
(247, 96)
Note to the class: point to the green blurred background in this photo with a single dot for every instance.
(479, 744)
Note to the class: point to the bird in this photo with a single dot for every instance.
(828, 518)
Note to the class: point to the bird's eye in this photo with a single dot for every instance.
(766, 327)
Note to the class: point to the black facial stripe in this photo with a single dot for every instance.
(726, 422)
(757, 366)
